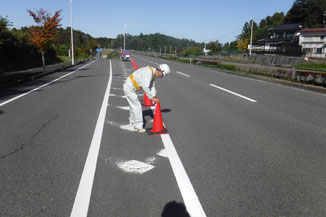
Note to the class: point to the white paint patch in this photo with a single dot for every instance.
(127, 108)
(163, 153)
(81, 204)
(121, 126)
(44, 85)
(236, 94)
(118, 96)
(134, 166)
(150, 160)
(183, 74)
(156, 64)
(116, 88)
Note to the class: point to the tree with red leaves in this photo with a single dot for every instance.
(43, 35)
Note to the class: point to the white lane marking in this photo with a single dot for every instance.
(134, 166)
(156, 64)
(188, 193)
(244, 97)
(182, 74)
(24, 94)
(83, 195)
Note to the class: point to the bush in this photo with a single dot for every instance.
(113, 55)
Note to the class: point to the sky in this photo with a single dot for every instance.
(198, 20)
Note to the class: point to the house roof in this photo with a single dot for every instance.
(284, 27)
(313, 30)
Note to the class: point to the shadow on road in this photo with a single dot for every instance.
(149, 112)
(174, 209)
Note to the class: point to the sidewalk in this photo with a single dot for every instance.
(9, 79)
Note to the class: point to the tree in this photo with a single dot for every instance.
(214, 47)
(92, 45)
(242, 45)
(308, 12)
(43, 35)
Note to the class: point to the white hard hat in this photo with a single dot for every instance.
(165, 69)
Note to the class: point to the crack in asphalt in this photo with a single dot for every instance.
(33, 137)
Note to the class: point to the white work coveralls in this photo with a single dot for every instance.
(145, 79)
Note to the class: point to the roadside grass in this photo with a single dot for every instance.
(312, 66)
(278, 74)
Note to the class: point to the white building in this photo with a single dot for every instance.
(313, 42)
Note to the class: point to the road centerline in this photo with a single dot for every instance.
(82, 199)
(236, 94)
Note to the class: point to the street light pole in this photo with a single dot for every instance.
(72, 38)
(124, 36)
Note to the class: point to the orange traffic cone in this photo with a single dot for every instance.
(146, 101)
(158, 127)
(134, 64)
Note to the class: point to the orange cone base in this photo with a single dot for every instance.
(164, 131)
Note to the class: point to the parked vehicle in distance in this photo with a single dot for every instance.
(125, 55)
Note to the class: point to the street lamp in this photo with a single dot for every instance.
(124, 36)
(72, 38)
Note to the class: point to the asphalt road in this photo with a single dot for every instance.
(236, 146)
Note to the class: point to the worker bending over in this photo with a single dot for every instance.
(143, 78)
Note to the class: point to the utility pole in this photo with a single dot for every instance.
(72, 37)
(165, 49)
(170, 48)
(324, 22)
(252, 27)
(124, 36)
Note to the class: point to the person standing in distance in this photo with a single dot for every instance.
(143, 78)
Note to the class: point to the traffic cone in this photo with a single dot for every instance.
(134, 64)
(146, 101)
(158, 127)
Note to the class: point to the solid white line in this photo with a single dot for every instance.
(183, 74)
(83, 195)
(244, 97)
(24, 94)
(188, 193)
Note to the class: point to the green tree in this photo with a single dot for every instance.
(308, 12)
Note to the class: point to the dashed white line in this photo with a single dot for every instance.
(35, 89)
(244, 97)
(183, 74)
(83, 195)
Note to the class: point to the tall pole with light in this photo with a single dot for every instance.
(72, 38)
(124, 36)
